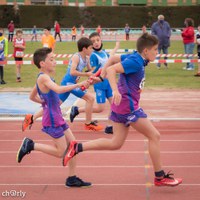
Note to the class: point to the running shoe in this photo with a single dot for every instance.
(74, 112)
(76, 182)
(28, 121)
(70, 152)
(25, 148)
(198, 74)
(18, 80)
(167, 180)
(109, 130)
(166, 65)
(2, 82)
(93, 126)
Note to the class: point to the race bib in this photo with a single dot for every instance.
(19, 54)
(45, 45)
(1, 46)
(141, 86)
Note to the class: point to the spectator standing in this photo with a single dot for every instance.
(11, 28)
(162, 30)
(47, 39)
(19, 47)
(127, 31)
(82, 30)
(98, 29)
(3, 53)
(198, 49)
(73, 33)
(188, 36)
(34, 33)
(57, 30)
(144, 29)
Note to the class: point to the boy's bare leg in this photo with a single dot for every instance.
(144, 126)
(118, 139)
(88, 107)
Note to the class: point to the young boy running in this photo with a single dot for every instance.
(75, 69)
(102, 89)
(46, 92)
(125, 107)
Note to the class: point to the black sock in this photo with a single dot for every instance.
(159, 174)
(32, 146)
(79, 148)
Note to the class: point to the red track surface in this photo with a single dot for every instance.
(125, 174)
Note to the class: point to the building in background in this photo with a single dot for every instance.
(83, 3)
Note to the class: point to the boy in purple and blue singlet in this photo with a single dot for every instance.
(45, 92)
(126, 111)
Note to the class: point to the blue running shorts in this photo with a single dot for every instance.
(101, 95)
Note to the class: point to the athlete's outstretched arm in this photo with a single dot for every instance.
(117, 45)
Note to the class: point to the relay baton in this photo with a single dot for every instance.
(90, 80)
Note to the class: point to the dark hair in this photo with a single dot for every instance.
(94, 34)
(189, 22)
(146, 40)
(48, 28)
(40, 55)
(19, 31)
(83, 42)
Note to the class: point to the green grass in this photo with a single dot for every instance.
(174, 77)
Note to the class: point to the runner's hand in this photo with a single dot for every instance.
(84, 84)
(116, 98)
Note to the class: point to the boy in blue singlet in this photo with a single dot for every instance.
(75, 69)
(125, 107)
(45, 92)
(102, 89)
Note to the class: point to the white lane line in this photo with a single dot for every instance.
(120, 152)
(95, 184)
(91, 139)
(13, 118)
(190, 130)
(96, 166)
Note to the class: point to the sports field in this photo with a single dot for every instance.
(171, 100)
(174, 77)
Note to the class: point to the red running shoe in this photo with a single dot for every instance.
(70, 152)
(167, 180)
(28, 121)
